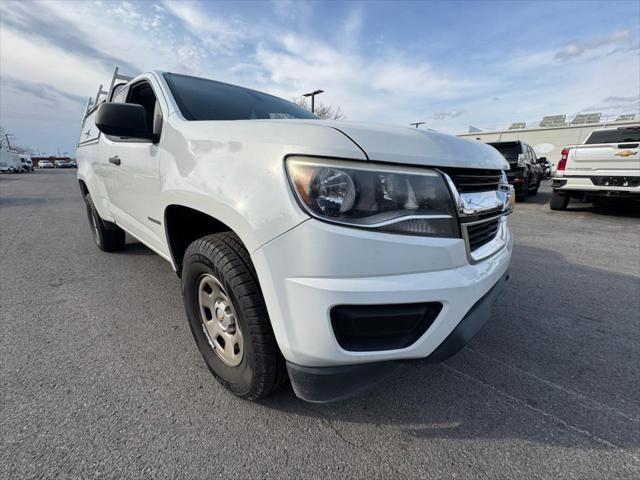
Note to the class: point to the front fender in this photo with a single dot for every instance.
(242, 183)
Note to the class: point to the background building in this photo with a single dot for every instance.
(552, 134)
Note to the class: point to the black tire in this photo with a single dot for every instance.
(534, 192)
(521, 196)
(559, 201)
(108, 236)
(262, 368)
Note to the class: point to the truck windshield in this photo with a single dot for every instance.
(202, 99)
(615, 135)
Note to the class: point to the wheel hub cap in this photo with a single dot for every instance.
(218, 318)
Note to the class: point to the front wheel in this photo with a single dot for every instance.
(559, 201)
(228, 316)
(108, 236)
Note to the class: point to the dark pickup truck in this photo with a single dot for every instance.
(526, 170)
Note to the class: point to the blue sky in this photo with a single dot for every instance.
(451, 64)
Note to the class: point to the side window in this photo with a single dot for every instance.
(119, 93)
(523, 151)
(142, 94)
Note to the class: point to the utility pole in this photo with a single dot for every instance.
(417, 124)
(313, 96)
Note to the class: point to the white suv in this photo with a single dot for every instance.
(328, 250)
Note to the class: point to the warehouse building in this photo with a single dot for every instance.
(553, 132)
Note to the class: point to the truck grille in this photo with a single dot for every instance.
(479, 234)
(474, 180)
(483, 204)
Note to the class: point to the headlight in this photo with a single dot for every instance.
(404, 200)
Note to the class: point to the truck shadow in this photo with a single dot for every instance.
(611, 207)
(541, 198)
(552, 366)
(134, 247)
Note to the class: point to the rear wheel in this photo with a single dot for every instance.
(534, 192)
(559, 201)
(228, 316)
(108, 236)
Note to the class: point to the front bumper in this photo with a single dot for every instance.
(316, 266)
(330, 384)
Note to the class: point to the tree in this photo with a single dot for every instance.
(21, 149)
(4, 143)
(324, 112)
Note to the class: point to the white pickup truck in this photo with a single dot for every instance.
(607, 165)
(330, 251)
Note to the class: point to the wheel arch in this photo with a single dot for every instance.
(83, 187)
(184, 224)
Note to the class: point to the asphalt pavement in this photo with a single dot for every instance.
(100, 377)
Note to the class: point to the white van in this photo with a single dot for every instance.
(26, 164)
(9, 161)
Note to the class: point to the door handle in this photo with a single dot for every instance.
(115, 160)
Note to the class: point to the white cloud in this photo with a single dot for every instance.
(292, 10)
(66, 50)
(384, 89)
(444, 115)
(221, 35)
(596, 46)
(577, 48)
(54, 66)
(615, 105)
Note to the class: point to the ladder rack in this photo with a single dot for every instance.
(92, 102)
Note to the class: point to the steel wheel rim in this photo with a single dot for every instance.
(219, 320)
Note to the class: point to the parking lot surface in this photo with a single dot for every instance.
(100, 376)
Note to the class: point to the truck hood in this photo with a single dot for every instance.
(413, 146)
(353, 140)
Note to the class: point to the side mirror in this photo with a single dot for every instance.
(124, 120)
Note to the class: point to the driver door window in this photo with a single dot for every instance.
(142, 94)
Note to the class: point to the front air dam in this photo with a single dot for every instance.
(332, 384)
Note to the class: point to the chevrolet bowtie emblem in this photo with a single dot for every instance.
(626, 153)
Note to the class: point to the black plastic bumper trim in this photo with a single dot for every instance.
(471, 324)
(331, 384)
(362, 328)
